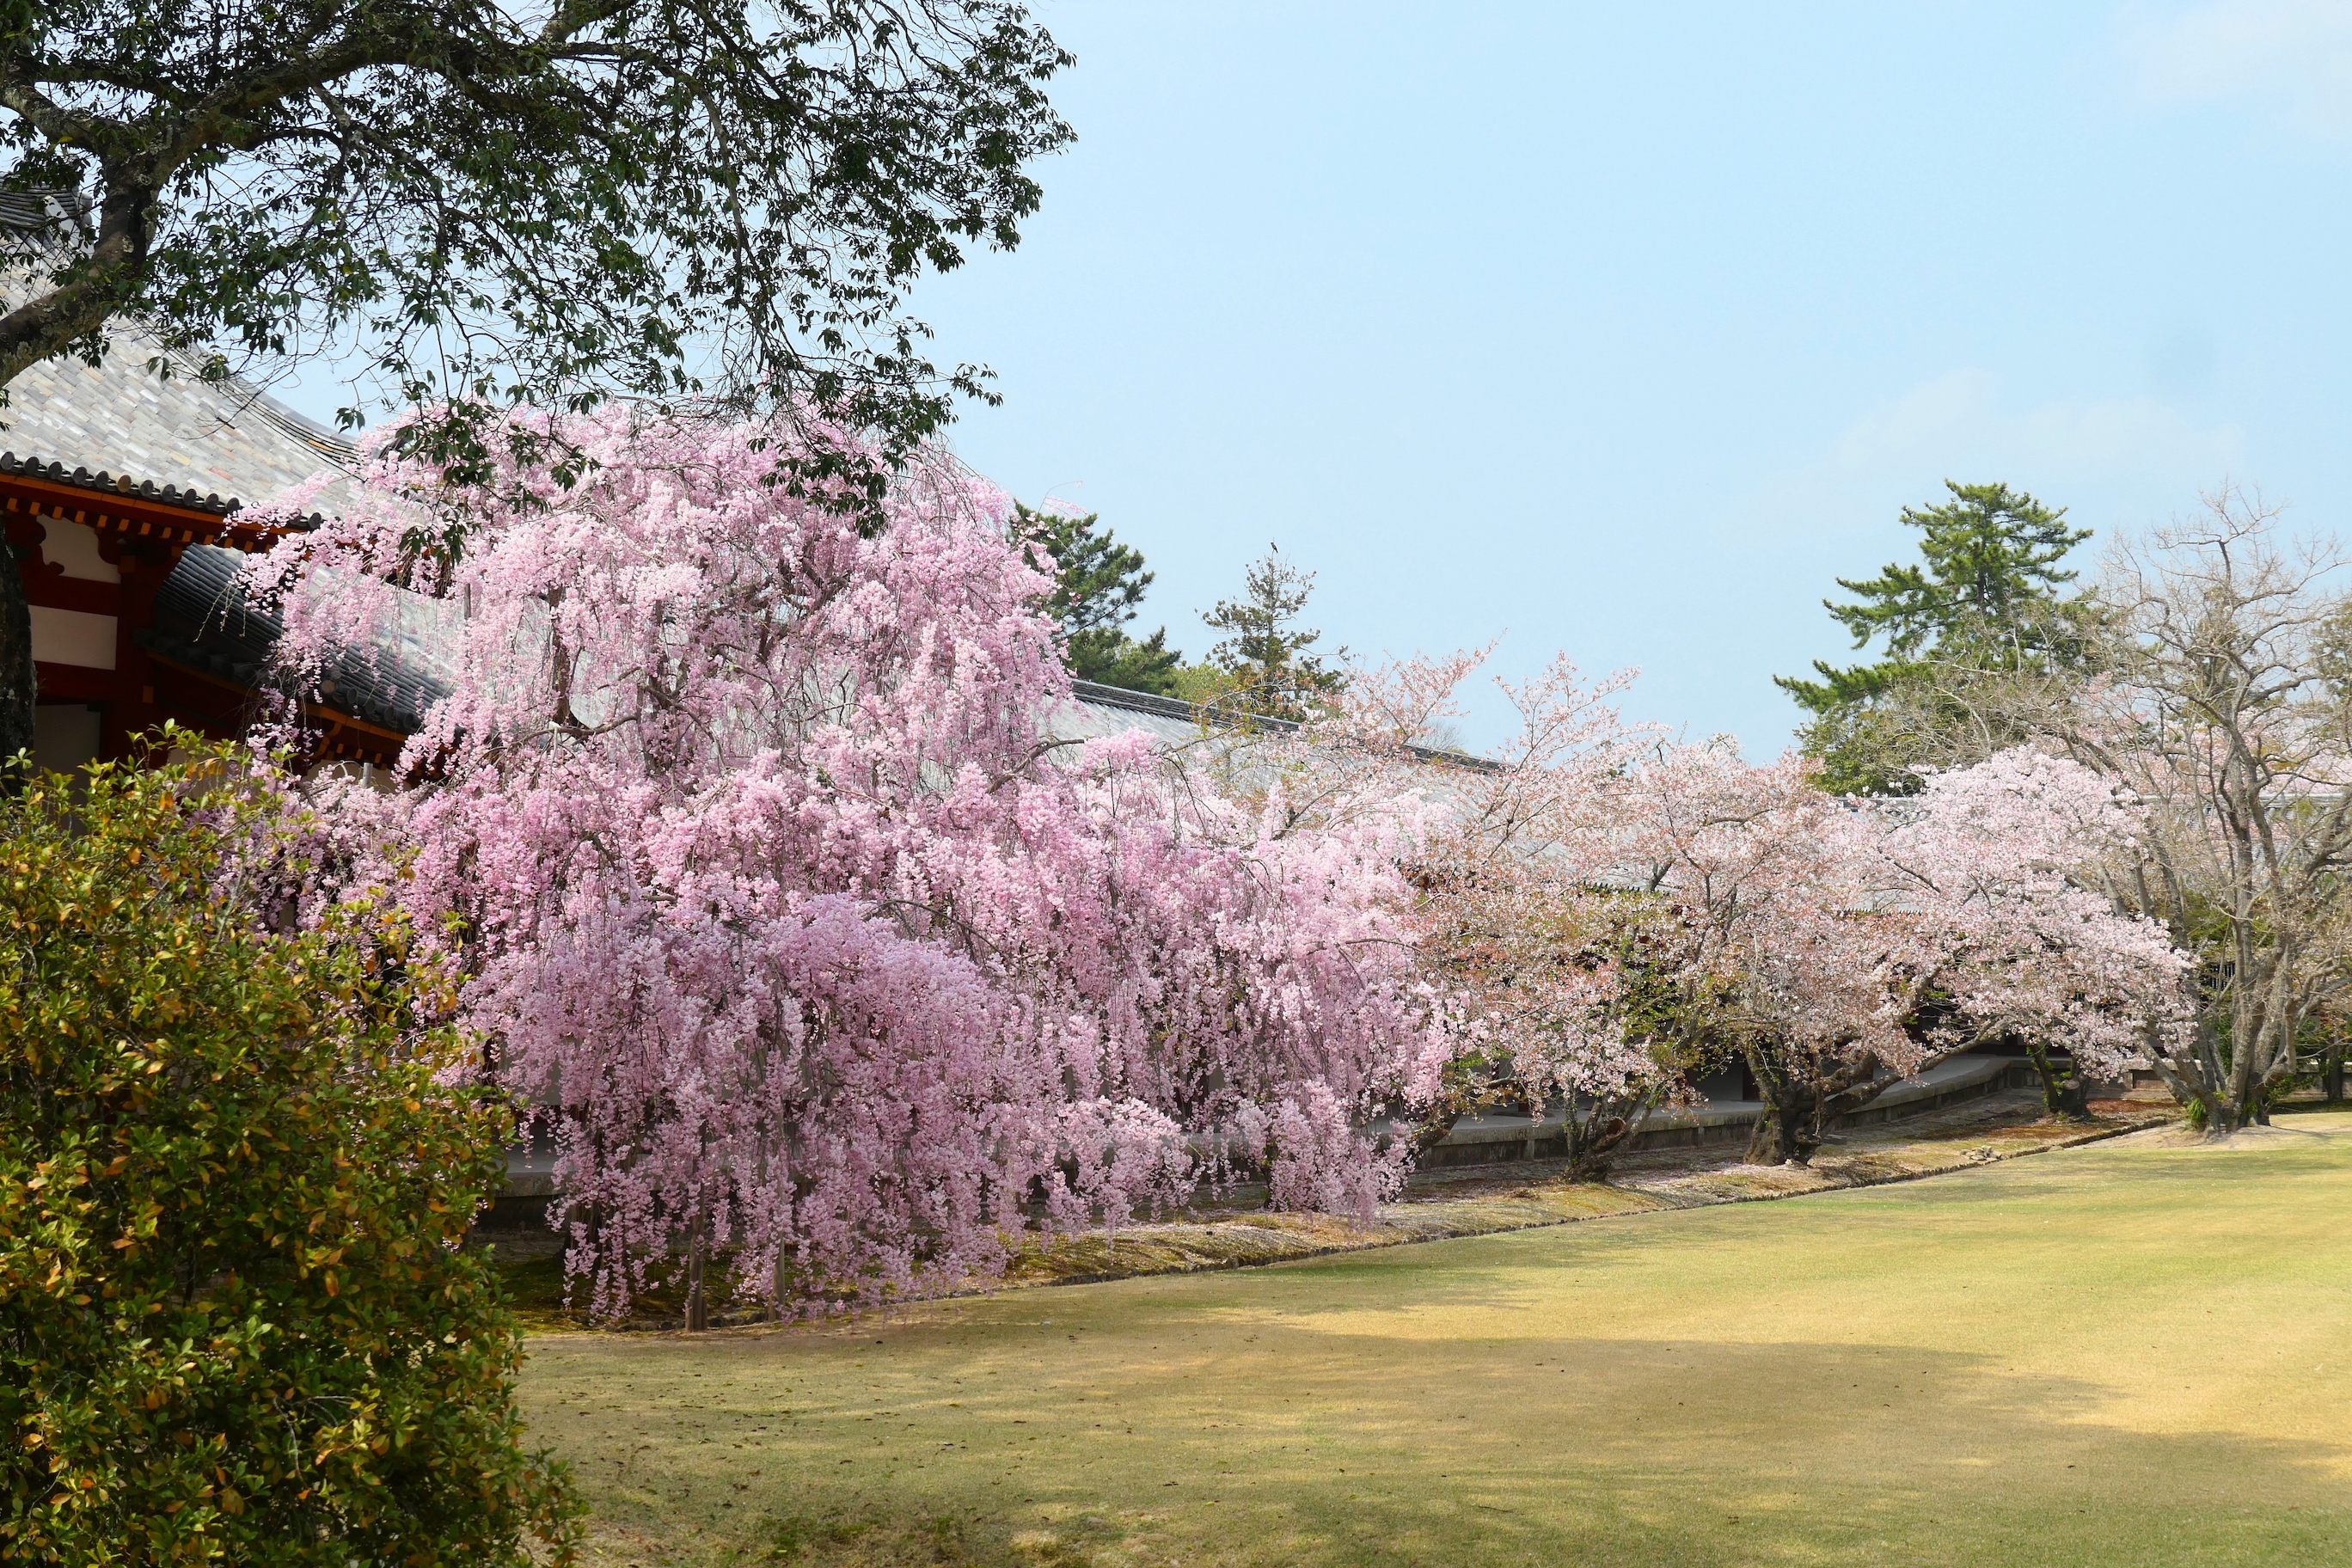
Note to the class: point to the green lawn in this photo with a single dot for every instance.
(2120, 1354)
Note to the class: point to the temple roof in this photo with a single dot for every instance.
(225, 441)
(204, 623)
(223, 445)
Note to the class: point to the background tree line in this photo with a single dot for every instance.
(2207, 673)
(1264, 666)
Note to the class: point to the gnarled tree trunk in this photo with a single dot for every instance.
(19, 685)
(1805, 1099)
(2066, 1093)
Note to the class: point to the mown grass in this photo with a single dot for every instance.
(2124, 1353)
(537, 1288)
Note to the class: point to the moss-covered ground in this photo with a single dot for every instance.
(2130, 1352)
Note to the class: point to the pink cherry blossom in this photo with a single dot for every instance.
(1610, 912)
(1992, 859)
(1857, 942)
(777, 895)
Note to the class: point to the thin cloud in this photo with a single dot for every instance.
(2290, 60)
(1956, 425)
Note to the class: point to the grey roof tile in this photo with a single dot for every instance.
(225, 438)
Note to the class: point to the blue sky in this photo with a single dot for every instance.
(1623, 329)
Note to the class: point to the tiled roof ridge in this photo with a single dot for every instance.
(31, 211)
(1102, 696)
(204, 623)
(42, 207)
(275, 414)
(34, 467)
(1096, 694)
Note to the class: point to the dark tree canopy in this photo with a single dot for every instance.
(528, 203)
(1984, 595)
(1264, 652)
(1097, 583)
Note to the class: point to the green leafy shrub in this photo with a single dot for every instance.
(236, 1322)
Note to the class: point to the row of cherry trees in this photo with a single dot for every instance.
(773, 888)
(1616, 913)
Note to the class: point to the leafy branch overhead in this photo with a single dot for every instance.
(540, 205)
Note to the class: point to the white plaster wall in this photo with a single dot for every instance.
(73, 637)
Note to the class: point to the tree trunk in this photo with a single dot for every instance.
(19, 685)
(1784, 1135)
(1593, 1139)
(2066, 1094)
(2331, 1079)
(1804, 1101)
(1789, 1131)
(698, 1312)
(2073, 1101)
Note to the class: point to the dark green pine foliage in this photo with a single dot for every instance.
(1264, 653)
(1984, 595)
(1097, 583)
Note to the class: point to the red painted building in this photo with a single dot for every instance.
(128, 497)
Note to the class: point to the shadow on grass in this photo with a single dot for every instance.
(2004, 1368)
(1286, 1447)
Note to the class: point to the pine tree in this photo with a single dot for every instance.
(1264, 653)
(1985, 594)
(1097, 583)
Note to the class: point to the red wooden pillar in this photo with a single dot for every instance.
(144, 563)
(139, 532)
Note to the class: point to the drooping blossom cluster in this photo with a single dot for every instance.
(779, 898)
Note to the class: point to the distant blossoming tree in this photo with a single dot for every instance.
(1559, 972)
(1854, 943)
(819, 950)
(1613, 915)
(2001, 862)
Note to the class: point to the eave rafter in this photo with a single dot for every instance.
(135, 513)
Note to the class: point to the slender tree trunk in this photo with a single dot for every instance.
(698, 1312)
(2331, 1079)
(19, 684)
(2202, 1081)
